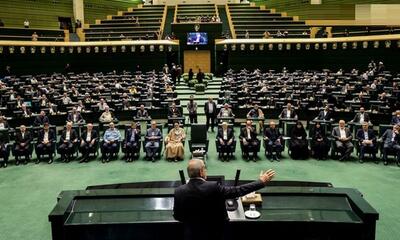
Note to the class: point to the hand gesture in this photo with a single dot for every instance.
(266, 176)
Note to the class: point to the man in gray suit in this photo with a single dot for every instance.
(288, 112)
(391, 142)
(343, 137)
(361, 117)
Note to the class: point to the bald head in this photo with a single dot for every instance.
(196, 168)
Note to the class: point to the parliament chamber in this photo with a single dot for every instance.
(103, 102)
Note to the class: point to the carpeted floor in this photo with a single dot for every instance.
(28, 193)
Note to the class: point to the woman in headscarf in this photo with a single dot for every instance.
(319, 142)
(298, 142)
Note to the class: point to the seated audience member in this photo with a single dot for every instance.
(68, 139)
(396, 118)
(75, 117)
(256, 112)
(89, 139)
(153, 137)
(25, 111)
(273, 141)
(132, 142)
(249, 141)
(142, 112)
(111, 138)
(298, 142)
(343, 137)
(319, 143)
(175, 139)
(225, 137)
(4, 150)
(19, 101)
(174, 111)
(391, 142)
(46, 139)
(102, 105)
(288, 113)
(226, 112)
(66, 100)
(41, 119)
(106, 116)
(80, 107)
(361, 117)
(22, 144)
(3, 123)
(367, 140)
(325, 115)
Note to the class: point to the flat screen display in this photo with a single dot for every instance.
(197, 38)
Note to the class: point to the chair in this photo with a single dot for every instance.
(51, 152)
(76, 128)
(159, 126)
(232, 147)
(113, 154)
(136, 154)
(198, 137)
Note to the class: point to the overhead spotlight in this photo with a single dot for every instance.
(71, 49)
(344, 45)
(270, 46)
(161, 48)
(96, 49)
(151, 48)
(365, 44)
(354, 45)
(114, 49)
(43, 50)
(33, 50)
(308, 46)
(376, 44)
(225, 47)
(53, 50)
(22, 50)
(79, 49)
(280, 46)
(11, 49)
(169, 48)
(133, 48)
(398, 43)
(298, 46)
(233, 47)
(62, 49)
(288, 46)
(324, 46)
(87, 49)
(334, 46)
(123, 48)
(242, 47)
(1, 49)
(316, 46)
(261, 47)
(252, 47)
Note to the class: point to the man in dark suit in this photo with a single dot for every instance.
(22, 143)
(391, 142)
(396, 118)
(343, 137)
(200, 205)
(200, 76)
(288, 113)
(89, 140)
(75, 117)
(210, 109)
(4, 150)
(142, 113)
(367, 140)
(273, 141)
(361, 117)
(174, 111)
(41, 119)
(225, 139)
(325, 115)
(132, 142)
(249, 140)
(46, 139)
(68, 139)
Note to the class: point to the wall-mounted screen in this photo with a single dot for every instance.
(197, 38)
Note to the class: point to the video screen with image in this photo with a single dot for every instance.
(197, 38)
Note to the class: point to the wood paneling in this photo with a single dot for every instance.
(197, 59)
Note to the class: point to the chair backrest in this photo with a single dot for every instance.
(198, 133)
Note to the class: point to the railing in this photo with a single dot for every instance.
(228, 15)
(163, 22)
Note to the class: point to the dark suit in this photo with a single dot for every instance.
(66, 147)
(43, 148)
(272, 144)
(132, 145)
(345, 147)
(200, 206)
(174, 112)
(86, 146)
(225, 147)
(327, 117)
(4, 150)
(22, 145)
(142, 114)
(366, 148)
(78, 118)
(252, 144)
(357, 117)
(200, 77)
(210, 115)
(40, 120)
(391, 143)
(284, 114)
(395, 120)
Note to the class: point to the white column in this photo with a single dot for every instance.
(79, 10)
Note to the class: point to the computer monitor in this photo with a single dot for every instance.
(197, 38)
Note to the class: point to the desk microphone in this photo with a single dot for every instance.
(232, 204)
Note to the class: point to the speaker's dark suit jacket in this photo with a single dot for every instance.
(27, 138)
(229, 134)
(327, 117)
(200, 206)
(93, 135)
